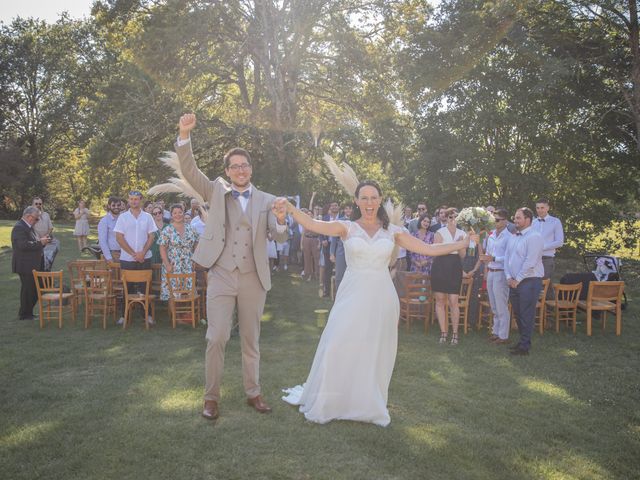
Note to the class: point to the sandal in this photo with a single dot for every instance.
(443, 337)
(454, 339)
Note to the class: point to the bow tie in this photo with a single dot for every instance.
(236, 194)
(541, 220)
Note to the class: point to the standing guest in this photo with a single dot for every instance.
(472, 267)
(550, 228)
(441, 219)
(44, 228)
(238, 267)
(196, 221)
(81, 231)
(336, 249)
(491, 209)
(407, 216)
(331, 215)
(282, 249)
(194, 209)
(106, 234)
(497, 288)
(414, 224)
(295, 248)
(178, 241)
(446, 277)
(147, 206)
(27, 256)
(123, 205)
(134, 233)
(422, 263)
(187, 216)
(524, 271)
(157, 214)
(310, 252)
(166, 215)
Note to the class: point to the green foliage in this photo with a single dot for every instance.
(620, 238)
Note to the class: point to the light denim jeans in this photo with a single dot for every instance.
(498, 291)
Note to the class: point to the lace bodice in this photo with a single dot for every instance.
(365, 252)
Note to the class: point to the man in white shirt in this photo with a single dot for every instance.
(497, 288)
(553, 237)
(106, 234)
(524, 271)
(134, 232)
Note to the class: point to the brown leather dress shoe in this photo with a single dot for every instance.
(500, 341)
(210, 411)
(259, 404)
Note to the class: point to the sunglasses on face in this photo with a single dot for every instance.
(453, 216)
(38, 204)
(157, 213)
(500, 219)
(135, 193)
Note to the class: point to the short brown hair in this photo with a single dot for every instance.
(236, 151)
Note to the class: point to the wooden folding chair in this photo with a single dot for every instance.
(604, 297)
(78, 276)
(51, 297)
(201, 287)
(417, 299)
(485, 314)
(99, 297)
(145, 299)
(156, 279)
(463, 303)
(184, 301)
(564, 307)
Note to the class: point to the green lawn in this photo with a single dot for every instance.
(94, 404)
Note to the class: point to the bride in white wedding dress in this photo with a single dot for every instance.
(352, 367)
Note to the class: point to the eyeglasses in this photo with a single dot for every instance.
(243, 166)
(157, 213)
(420, 209)
(38, 204)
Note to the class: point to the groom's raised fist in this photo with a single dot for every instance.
(186, 124)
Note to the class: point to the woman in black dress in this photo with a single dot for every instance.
(446, 277)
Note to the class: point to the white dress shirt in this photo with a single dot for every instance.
(136, 232)
(496, 247)
(552, 234)
(197, 224)
(523, 256)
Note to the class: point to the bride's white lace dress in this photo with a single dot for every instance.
(351, 371)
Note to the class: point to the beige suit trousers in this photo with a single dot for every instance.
(225, 290)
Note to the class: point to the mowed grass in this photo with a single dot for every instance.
(95, 404)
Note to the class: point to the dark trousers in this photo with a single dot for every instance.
(328, 271)
(523, 300)
(28, 295)
(136, 287)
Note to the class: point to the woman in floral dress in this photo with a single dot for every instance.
(422, 263)
(177, 242)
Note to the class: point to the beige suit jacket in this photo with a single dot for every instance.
(212, 240)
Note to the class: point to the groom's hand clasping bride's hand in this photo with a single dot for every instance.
(186, 124)
(279, 209)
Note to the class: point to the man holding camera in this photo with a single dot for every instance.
(27, 256)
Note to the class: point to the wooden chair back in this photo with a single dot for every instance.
(605, 292)
(181, 284)
(604, 297)
(49, 287)
(567, 294)
(136, 276)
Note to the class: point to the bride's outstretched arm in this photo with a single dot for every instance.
(329, 229)
(411, 243)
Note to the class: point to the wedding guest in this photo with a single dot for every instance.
(414, 224)
(332, 214)
(407, 216)
(157, 215)
(194, 207)
(446, 277)
(441, 219)
(497, 287)
(147, 206)
(524, 271)
(81, 230)
(166, 215)
(187, 216)
(422, 263)
(472, 268)
(178, 241)
(310, 252)
(282, 249)
(106, 234)
(134, 233)
(44, 228)
(336, 249)
(196, 222)
(550, 228)
(27, 255)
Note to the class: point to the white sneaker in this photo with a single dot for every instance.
(285, 268)
(150, 320)
(302, 273)
(121, 321)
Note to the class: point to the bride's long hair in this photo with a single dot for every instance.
(382, 213)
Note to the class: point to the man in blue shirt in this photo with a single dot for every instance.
(524, 271)
(106, 235)
(552, 236)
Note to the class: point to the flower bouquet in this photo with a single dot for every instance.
(475, 220)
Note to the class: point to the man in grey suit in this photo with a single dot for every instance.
(234, 249)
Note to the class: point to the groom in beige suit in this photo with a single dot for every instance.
(234, 248)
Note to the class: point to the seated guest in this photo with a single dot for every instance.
(177, 242)
(422, 263)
